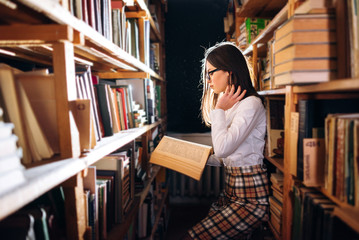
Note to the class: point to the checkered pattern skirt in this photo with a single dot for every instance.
(241, 207)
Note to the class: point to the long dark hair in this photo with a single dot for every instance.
(227, 57)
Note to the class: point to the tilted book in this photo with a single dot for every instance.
(182, 156)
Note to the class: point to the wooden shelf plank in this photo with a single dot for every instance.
(349, 216)
(279, 91)
(127, 74)
(38, 181)
(22, 34)
(142, 195)
(340, 85)
(277, 162)
(261, 8)
(42, 178)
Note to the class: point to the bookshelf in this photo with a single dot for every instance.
(345, 86)
(46, 33)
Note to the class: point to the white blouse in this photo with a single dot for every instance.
(238, 134)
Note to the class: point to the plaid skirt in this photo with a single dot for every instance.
(241, 207)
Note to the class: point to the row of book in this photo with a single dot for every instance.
(276, 201)
(323, 132)
(109, 18)
(101, 108)
(321, 141)
(342, 157)
(314, 218)
(108, 191)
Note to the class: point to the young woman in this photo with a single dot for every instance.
(235, 112)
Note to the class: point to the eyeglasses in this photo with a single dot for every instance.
(210, 73)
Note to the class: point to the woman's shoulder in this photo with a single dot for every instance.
(252, 101)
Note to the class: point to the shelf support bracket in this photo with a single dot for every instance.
(64, 69)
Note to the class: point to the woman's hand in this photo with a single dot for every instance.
(229, 98)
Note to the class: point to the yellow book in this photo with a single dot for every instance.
(182, 156)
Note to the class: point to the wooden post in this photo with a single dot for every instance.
(64, 70)
(141, 33)
(287, 214)
(144, 160)
(255, 66)
(75, 207)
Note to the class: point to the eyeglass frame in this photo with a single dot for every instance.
(210, 73)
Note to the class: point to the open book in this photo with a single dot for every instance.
(182, 156)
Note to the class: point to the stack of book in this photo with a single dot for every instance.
(11, 169)
(276, 201)
(266, 75)
(305, 49)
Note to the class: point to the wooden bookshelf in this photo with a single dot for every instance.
(52, 37)
(343, 88)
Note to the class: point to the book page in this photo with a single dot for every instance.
(180, 148)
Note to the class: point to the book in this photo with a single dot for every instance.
(105, 109)
(40, 90)
(305, 37)
(306, 22)
(305, 51)
(11, 161)
(353, 23)
(315, 6)
(306, 65)
(356, 162)
(182, 156)
(115, 164)
(304, 77)
(313, 161)
(12, 109)
(90, 185)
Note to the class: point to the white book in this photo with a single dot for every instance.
(8, 145)
(6, 129)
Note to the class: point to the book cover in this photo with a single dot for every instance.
(306, 22)
(305, 51)
(12, 110)
(182, 156)
(105, 111)
(305, 37)
(313, 161)
(304, 77)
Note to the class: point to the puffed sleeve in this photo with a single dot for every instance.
(226, 139)
(214, 161)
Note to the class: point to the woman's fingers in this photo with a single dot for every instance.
(242, 95)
